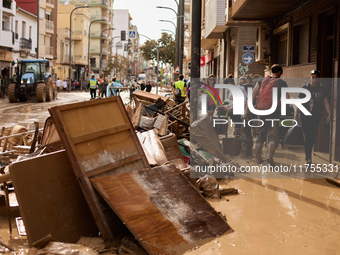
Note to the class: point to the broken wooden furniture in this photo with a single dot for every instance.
(50, 199)
(147, 96)
(162, 209)
(100, 141)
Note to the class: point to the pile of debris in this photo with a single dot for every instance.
(106, 168)
(161, 114)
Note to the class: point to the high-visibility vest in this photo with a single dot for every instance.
(93, 84)
(180, 85)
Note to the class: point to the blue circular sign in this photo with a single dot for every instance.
(248, 58)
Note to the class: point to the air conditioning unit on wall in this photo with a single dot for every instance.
(262, 45)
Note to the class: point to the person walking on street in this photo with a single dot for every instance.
(180, 90)
(148, 87)
(264, 102)
(58, 84)
(93, 84)
(142, 85)
(84, 85)
(211, 84)
(64, 85)
(103, 88)
(316, 105)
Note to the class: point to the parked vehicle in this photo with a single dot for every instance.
(32, 79)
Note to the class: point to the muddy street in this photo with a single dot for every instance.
(268, 215)
(25, 113)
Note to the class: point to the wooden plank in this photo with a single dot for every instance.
(159, 121)
(86, 118)
(6, 141)
(137, 115)
(84, 181)
(162, 209)
(50, 199)
(170, 116)
(112, 165)
(147, 96)
(164, 127)
(1, 134)
(100, 133)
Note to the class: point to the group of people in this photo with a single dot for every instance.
(65, 85)
(262, 98)
(147, 87)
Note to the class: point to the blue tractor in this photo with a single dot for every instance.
(32, 79)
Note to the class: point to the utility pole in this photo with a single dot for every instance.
(195, 57)
(38, 19)
(177, 40)
(181, 35)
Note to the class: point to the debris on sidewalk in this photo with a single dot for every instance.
(50, 199)
(168, 205)
(210, 187)
(91, 164)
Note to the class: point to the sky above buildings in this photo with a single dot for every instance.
(146, 16)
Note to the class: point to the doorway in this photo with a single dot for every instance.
(325, 63)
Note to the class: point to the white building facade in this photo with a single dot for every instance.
(25, 27)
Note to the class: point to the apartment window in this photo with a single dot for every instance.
(6, 24)
(42, 13)
(23, 33)
(301, 43)
(48, 16)
(281, 45)
(30, 32)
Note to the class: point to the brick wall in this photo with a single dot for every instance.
(247, 36)
(236, 6)
(310, 11)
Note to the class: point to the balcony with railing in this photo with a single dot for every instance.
(64, 33)
(79, 60)
(50, 3)
(49, 25)
(215, 19)
(97, 2)
(9, 7)
(78, 34)
(25, 44)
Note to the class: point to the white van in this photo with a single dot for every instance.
(142, 77)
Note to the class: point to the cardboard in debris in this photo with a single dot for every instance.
(50, 199)
(173, 152)
(100, 141)
(203, 132)
(154, 147)
(161, 209)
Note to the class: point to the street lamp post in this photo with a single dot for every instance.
(179, 33)
(100, 57)
(101, 52)
(157, 60)
(88, 47)
(70, 51)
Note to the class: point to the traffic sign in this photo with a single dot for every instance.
(166, 70)
(202, 62)
(176, 69)
(132, 34)
(248, 48)
(248, 58)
